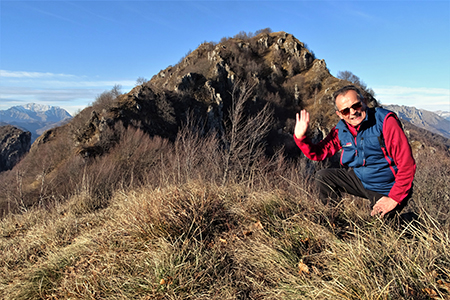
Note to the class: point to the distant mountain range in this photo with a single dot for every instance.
(38, 118)
(443, 114)
(437, 122)
(35, 118)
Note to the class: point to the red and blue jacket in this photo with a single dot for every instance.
(377, 150)
(366, 152)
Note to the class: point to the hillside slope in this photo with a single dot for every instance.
(423, 119)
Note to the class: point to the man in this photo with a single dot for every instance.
(374, 147)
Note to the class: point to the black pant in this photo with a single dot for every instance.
(332, 182)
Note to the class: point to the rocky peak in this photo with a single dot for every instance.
(280, 69)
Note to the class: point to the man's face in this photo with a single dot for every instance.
(350, 109)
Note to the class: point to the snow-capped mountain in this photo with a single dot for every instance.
(443, 114)
(35, 118)
(34, 113)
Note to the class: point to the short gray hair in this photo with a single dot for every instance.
(344, 90)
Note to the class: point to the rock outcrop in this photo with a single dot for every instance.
(14, 144)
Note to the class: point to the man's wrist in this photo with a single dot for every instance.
(395, 199)
(300, 138)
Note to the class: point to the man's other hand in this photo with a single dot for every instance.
(383, 206)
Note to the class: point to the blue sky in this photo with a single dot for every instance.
(66, 53)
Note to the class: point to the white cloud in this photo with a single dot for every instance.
(72, 99)
(431, 99)
(70, 92)
(69, 99)
(44, 80)
(67, 84)
(47, 94)
(25, 74)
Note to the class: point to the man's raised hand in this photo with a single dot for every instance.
(301, 124)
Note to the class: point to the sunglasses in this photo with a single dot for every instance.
(355, 106)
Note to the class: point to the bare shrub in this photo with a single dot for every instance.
(197, 156)
(255, 69)
(294, 88)
(349, 76)
(243, 35)
(165, 109)
(242, 61)
(140, 158)
(275, 98)
(243, 140)
(97, 184)
(224, 39)
(106, 98)
(279, 56)
(248, 35)
(136, 160)
(185, 58)
(266, 30)
(141, 80)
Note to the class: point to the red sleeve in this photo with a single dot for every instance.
(399, 149)
(325, 148)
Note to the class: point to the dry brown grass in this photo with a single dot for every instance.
(199, 240)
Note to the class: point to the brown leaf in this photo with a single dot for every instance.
(247, 232)
(444, 285)
(302, 268)
(258, 226)
(168, 281)
(409, 290)
(430, 292)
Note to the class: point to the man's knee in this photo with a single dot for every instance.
(322, 175)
